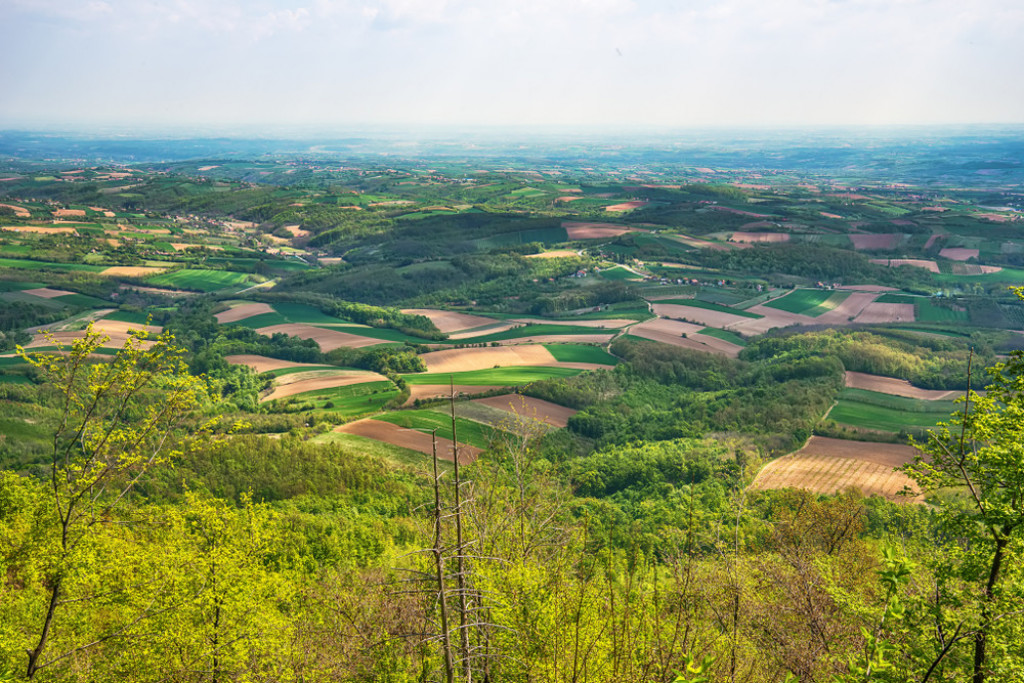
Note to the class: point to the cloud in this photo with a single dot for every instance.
(508, 61)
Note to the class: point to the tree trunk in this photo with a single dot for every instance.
(982, 636)
(34, 655)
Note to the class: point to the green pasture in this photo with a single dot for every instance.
(707, 305)
(304, 368)
(350, 401)
(619, 273)
(1011, 276)
(377, 449)
(133, 317)
(883, 412)
(26, 264)
(469, 432)
(13, 286)
(812, 302)
(580, 353)
(724, 335)
(199, 279)
(511, 376)
(81, 300)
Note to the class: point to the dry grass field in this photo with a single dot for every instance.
(832, 465)
(46, 292)
(672, 331)
(759, 237)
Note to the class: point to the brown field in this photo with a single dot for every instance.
(40, 229)
(671, 332)
(990, 269)
(626, 206)
(263, 363)
(870, 241)
(327, 339)
(68, 213)
(463, 360)
(886, 313)
(699, 315)
(557, 253)
(19, 211)
(335, 379)
(567, 199)
(759, 237)
(831, 465)
(486, 329)
(854, 305)
(130, 271)
(208, 168)
(241, 312)
(330, 260)
(534, 408)
(429, 391)
(45, 292)
(450, 321)
(578, 230)
(915, 262)
(958, 253)
(826, 214)
(408, 438)
(896, 387)
(931, 241)
(973, 269)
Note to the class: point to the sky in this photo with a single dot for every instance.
(332, 65)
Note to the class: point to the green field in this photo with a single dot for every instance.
(580, 353)
(199, 280)
(812, 302)
(619, 273)
(707, 305)
(882, 412)
(512, 376)
(291, 371)
(128, 317)
(47, 265)
(1010, 276)
(925, 309)
(469, 432)
(351, 401)
(725, 335)
(81, 300)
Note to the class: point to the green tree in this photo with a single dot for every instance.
(116, 420)
(980, 454)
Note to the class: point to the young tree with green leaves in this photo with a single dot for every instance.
(118, 417)
(977, 460)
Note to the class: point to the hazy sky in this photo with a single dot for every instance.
(335, 63)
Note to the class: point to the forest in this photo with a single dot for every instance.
(272, 417)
